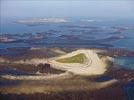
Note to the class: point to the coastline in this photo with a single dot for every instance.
(122, 76)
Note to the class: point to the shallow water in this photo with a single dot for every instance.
(103, 78)
(12, 71)
(125, 62)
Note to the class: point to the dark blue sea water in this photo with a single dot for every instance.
(129, 90)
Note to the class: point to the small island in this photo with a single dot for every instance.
(40, 21)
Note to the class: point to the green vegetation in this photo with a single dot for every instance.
(80, 58)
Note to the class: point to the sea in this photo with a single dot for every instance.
(75, 32)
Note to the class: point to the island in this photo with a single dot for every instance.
(39, 21)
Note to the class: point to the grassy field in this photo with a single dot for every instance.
(80, 58)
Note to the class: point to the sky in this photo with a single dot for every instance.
(67, 8)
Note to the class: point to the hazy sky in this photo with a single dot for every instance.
(68, 8)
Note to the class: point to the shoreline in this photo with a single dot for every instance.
(121, 75)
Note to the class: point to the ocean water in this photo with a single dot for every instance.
(117, 33)
(125, 62)
(101, 33)
(129, 90)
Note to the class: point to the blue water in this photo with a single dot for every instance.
(85, 32)
(103, 78)
(128, 42)
(125, 62)
(129, 90)
(74, 33)
(12, 71)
